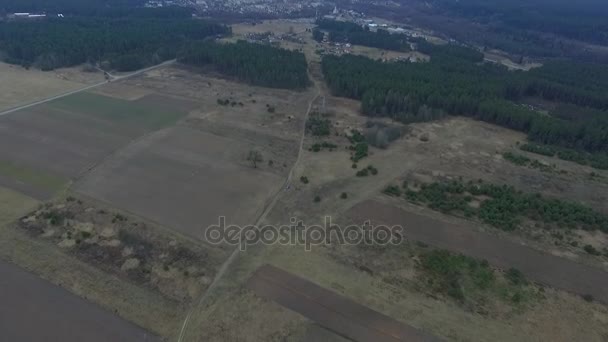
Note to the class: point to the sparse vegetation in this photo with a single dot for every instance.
(522, 160)
(504, 207)
(470, 282)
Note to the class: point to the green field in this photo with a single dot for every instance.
(24, 174)
(13, 205)
(138, 114)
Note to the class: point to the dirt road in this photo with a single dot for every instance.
(264, 213)
(35, 310)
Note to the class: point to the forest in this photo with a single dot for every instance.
(583, 20)
(454, 83)
(66, 7)
(346, 32)
(256, 64)
(124, 43)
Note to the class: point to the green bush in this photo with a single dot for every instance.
(591, 250)
(318, 126)
(362, 173)
(392, 190)
(515, 277)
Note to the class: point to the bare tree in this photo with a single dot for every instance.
(254, 158)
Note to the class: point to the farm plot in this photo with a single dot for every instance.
(20, 86)
(185, 179)
(57, 315)
(46, 146)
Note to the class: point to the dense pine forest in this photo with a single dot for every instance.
(255, 64)
(582, 20)
(346, 32)
(453, 82)
(125, 43)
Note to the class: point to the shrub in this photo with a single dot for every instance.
(591, 250)
(362, 173)
(304, 179)
(317, 125)
(344, 195)
(317, 199)
(392, 190)
(360, 151)
(515, 277)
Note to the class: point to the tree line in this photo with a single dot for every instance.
(256, 64)
(453, 82)
(347, 32)
(124, 43)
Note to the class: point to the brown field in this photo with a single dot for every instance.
(159, 146)
(73, 318)
(20, 86)
(329, 309)
(56, 142)
(184, 179)
(187, 176)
